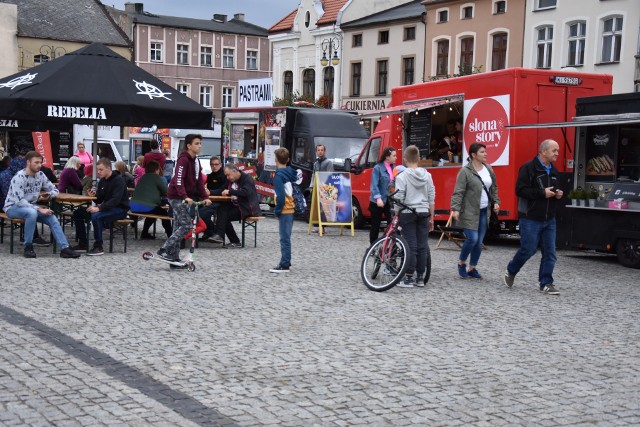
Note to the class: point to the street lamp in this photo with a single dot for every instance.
(51, 52)
(331, 46)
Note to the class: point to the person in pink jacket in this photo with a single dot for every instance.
(85, 157)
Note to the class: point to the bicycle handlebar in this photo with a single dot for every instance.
(400, 203)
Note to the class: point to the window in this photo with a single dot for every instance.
(227, 97)
(307, 19)
(356, 76)
(466, 55)
(383, 37)
(309, 83)
(205, 56)
(467, 12)
(288, 85)
(443, 16)
(577, 33)
(227, 58)
(40, 59)
(357, 40)
(500, 7)
(408, 70)
(382, 77)
(156, 52)
(328, 82)
(410, 33)
(611, 39)
(545, 43)
(182, 54)
(183, 89)
(442, 62)
(546, 4)
(252, 60)
(205, 96)
(499, 52)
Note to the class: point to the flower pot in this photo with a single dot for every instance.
(582, 202)
(574, 202)
(592, 203)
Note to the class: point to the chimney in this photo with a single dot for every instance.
(239, 17)
(219, 17)
(134, 7)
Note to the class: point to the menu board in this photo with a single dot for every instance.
(600, 153)
(271, 144)
(419, 132)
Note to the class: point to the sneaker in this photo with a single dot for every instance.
(508, 279)
(39, 241)
(279, 269)
(147, 236)
(216, 239)
(419, 281)
(29, 252)
(81, 246)
(163, 254)
(474, 273)
(462, 271)
(549, 290)
(68, 253)
(95, 251)
(234, 245)
(407, 282)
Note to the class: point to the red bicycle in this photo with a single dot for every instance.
(385, 262)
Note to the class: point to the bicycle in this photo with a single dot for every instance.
(385, 262)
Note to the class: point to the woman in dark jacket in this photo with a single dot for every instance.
(381, 178)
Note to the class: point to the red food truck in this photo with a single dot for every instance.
(484, 104)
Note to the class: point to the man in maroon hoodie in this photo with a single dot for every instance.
(185, 188)
(155, 154)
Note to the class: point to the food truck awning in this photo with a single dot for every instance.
(602, 120)
(412, 106)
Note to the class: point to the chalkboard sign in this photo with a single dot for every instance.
(419, 131)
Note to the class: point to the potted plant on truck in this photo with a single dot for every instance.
(577, 196)
(592, 196)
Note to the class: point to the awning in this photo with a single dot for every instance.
(410, 107)
(601, 120)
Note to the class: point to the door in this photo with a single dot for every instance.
(361, 182)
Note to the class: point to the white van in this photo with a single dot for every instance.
(114, 149)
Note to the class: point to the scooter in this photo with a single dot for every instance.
(189, 260)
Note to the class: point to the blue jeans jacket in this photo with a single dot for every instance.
(380, 181)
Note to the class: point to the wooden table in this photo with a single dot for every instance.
(220, 198)
(67, 202)
(75, 199)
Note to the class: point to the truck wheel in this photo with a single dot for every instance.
(358, 217)
(628, 252)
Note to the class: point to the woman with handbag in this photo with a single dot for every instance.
(473, 198)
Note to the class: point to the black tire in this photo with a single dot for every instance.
(358, 216)
(191, 267)
(378, 275)
(628, 252)
(427, 273)
(147, 256)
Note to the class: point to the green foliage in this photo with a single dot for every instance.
(462, 71)
(295, 97)
(592, 193)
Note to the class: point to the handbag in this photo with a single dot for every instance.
(494, 222)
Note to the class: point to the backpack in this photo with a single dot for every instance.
(299, 200)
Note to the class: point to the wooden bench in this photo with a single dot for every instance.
(147, 215)
(119, 225)
(251, 222)
(14, 224)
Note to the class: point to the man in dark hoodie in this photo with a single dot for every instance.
(215, 181)
(538, 198)
(111, 204)
(285, 207)
(155, 154)
(244, 203)
(185, 188)
(415, 189)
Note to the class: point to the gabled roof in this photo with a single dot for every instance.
(331, 9)
(285, 24)
(412, 10)
(69, 20)
(233, 26)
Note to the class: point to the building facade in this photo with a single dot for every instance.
(8, 39)
(464, 36)
(203, 59)
(593, 36)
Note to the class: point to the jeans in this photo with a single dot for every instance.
(534, 234)
(98, 220)
(473, 242)
(376, 218)
(182, 224)
(415, 230)
(31, 217)
(284, 227)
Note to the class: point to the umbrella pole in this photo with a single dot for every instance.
(94, 151)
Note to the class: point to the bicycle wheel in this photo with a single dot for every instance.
(384, 263)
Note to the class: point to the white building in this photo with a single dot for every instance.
(594, 36)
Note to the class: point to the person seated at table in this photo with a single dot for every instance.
(87, 179)
(69, 179)
(138, 169)
(48, 172)
(154, 154)
(112, 203)
(124, 173)
(85, 157)
(216, 180)
(24, 193)
(244, 203)
(147, 198)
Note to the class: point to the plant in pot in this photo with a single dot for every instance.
(592, 196)
(574, 195)
(580, 196)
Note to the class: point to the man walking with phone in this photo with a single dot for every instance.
(538, 198)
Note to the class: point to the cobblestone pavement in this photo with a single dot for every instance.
(115, 340)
